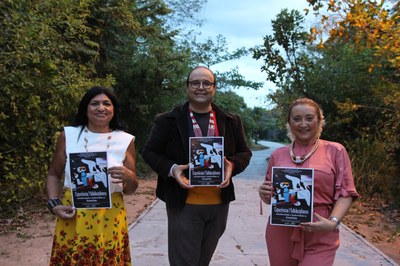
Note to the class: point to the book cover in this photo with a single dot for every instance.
(293, 194)
(90, 184)
(206, 161)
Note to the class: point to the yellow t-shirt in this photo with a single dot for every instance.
(204, 196)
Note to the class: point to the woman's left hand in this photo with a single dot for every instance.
(321, 225)
(120, 174)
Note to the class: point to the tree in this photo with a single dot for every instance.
(44, 55)
(184, 15)
(232, 79)
(370, 27)
(139, 51)
(289, 39)
(230, 101)
(285, 59)
(269, 125)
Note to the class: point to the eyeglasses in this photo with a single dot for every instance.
(195, 84)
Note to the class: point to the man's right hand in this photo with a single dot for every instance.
(179, 175)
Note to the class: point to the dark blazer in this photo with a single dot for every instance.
(168, 144)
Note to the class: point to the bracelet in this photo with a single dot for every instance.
(51, 203)
(336, 220)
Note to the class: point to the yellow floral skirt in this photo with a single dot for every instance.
(93, 237)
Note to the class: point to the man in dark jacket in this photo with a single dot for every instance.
(197, 216)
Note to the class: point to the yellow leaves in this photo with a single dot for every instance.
(313, 30)
(37, 146)
(32, 105)
(371, 68)
(324, 19)
(313, 34)
(362, 24)
(347, 106)
(349, 15)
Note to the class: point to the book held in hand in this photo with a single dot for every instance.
(90, 185)
(293, 194)
(206, 161)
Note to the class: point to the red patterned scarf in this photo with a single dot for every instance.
(212, 125)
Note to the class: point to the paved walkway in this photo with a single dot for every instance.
(243, 242)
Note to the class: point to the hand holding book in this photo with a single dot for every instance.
(265, 191)
(228, 169)
(120, 174)
(179, 175)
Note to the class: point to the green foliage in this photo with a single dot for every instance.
(285, 70)
(269, 124)
(43, 62)
(232, 79)
(338, 79)
(138, 51)
(230, 101)
(212, 52)
(184, 14)
(154, 87)
(375, 172)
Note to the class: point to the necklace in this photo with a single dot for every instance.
(87, 141)
(300, 160)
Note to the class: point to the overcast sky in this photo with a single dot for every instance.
(244, 24)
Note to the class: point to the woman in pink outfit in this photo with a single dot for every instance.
(310, 243)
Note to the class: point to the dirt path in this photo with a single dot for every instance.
(30, 243)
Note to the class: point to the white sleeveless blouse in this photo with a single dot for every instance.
(117, 146)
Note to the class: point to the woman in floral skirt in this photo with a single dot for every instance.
(92, 234)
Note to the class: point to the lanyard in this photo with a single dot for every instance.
(212, 125)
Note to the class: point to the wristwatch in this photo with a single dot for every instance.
(336, 220)
(51, 203)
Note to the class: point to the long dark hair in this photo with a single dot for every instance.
(81, 118)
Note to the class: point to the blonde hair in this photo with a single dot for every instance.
(318, 111)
